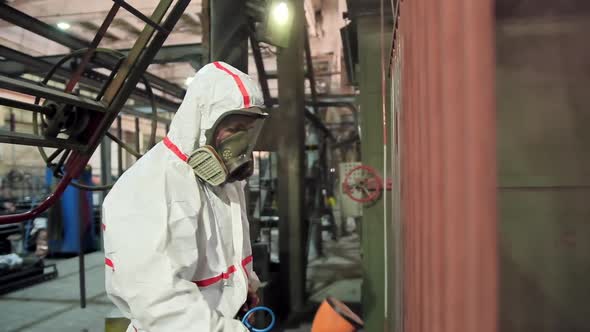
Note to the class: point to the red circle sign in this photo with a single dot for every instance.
(362, 184)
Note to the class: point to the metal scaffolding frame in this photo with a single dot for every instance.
(191, 53)
(77, 148)
(52, 33)
(295, 108)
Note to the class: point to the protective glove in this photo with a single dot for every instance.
(252, 300)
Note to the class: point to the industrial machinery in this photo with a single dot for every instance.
(81, 95)
(74, 124)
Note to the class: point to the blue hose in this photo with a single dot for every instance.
(253, 310)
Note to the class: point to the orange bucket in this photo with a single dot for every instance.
(335, 316)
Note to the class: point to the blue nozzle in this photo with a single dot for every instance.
(252, 311)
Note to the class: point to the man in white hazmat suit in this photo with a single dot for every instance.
(176, 235)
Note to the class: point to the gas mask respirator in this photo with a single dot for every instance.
(230, 159)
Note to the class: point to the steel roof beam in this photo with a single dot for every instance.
(49, 93)
(38, 27)
(27, 63)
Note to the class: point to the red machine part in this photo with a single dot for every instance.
(362, 184)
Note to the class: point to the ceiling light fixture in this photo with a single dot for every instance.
(280, 13)
(273, 20)
(64, 25)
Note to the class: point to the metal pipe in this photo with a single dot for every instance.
(109, 79)
(150, 52)
(123, 145)
(142, 41)
(12, 122)
(143, 115)
(329, 100)
(120, 96)
(38, 27)
(351, 106)
(333, 101)
(81, 264)
(34, 140)
(154, 113)
(57, 169)
(192, 53)
(260, 203)
(140, 15)
(49, 93)
(310, 74)
(262, 78)
(49, 201)
(318, 123)
(90, 51)
(11, 68)
(26, 106)
(54, 155)
(119, 148)
(137, 135)
(291, 189)
(18, 18)
(105, 162)
(91, 79)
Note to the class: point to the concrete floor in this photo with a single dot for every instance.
(337, 274)
(54, 305)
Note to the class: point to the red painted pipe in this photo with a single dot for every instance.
(73, 167)
(50, 200)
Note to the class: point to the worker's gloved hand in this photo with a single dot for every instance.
(252, 300)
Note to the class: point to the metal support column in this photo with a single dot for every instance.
(291, 144)
(105, 169)
(372, 241)
(81, 263)
(105, 163)
(229, 33)
(119, 147)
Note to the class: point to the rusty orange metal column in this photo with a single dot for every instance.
(426, 222)
(481, 180)
(437, 221)
(418, 70)
(448, 165)
(425, 160)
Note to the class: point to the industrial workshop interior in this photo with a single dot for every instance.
(294, 165)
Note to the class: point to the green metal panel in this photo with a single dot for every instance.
(544, 260)
(372, 242)
(544, 168)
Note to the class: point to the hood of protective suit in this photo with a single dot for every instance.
(216, 89)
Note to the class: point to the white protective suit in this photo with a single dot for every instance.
(178, 255)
